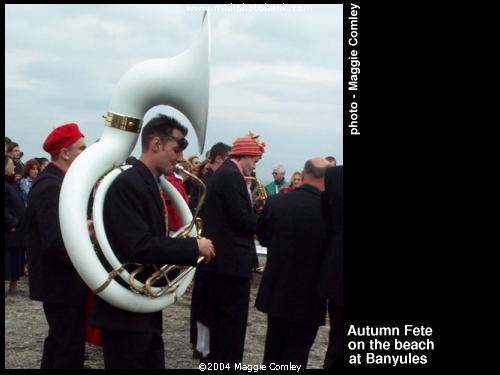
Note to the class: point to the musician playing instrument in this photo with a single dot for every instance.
(135, 224)
(230, 222)
(52, 277)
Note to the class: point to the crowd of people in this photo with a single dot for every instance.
(298, 220)
(19, 178)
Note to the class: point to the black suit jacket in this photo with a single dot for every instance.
(332, 206)
(229, 221)
(52, 276)
(292, 228)
(135, 226)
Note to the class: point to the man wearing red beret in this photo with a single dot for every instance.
(53, 279)
(230, 222)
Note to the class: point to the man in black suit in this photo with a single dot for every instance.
(52, 277)
(134, 219)
(330, 283)
(200, 298)
(292, 229)
(230, 222)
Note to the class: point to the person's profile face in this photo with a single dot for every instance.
(15, 153)
(171, 153)
(44, 165)
(249, 164)
(206, 168)
(76, 149)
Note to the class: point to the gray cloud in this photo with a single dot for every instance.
(278, 74)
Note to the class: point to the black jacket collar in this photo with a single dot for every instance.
(52, 169)
(152, 184)
(146, 173)
(309, 189)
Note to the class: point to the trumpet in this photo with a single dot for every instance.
(260, 190)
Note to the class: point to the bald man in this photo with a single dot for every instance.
(292, 229)
(53, 279)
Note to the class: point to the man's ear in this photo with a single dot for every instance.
(155, 144)
(64, 154)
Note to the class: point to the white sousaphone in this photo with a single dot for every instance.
(181, 82)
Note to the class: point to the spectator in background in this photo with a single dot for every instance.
(177, 180)
(331, 160)
(43, 163)
(195, 163)
(295, 182)
(30, 173)
(14, 151)
(279, 180)
(14, 214)
(8, 141)
(218, 154)
(205, 168)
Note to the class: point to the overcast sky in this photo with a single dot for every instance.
(277, 74)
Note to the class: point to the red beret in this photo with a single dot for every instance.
(249, 145)
(62, 137)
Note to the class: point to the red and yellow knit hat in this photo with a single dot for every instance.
(249, 145)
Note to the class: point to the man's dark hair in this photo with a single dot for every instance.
(330, 158)
(130, 160)
(8, 141)
(41, 160)
(219, 149)
(314, 171)
(160, 126)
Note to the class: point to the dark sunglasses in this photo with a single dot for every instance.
(182, 143)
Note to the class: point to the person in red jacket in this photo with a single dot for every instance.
(177, 180)
(295, 182)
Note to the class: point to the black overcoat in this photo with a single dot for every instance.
(331, 276)
(229, 221)
(52, 276)
(292, 228)
(14, 215)
(135, 227)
